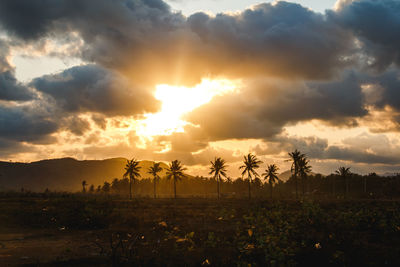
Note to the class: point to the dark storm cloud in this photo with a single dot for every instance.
(95, 89)
(389, 89)
(29, 19)
(10, 147)
(100, 121)
(76, 125)
(25, 124)
(283, 39)
(11, 89)
(19, 122)
(377, 25)
(263, 107)
(34, 19)
(117, 33)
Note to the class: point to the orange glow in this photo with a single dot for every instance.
(178, 100)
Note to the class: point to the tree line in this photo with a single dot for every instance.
(336, 185)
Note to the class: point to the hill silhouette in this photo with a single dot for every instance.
(65, 173)
(284, 176)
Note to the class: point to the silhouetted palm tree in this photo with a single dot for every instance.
(295, 157)
(271, 173)
(304, 169)
(91, 189)
(175, 171)
(106, 187)
(251, 163)
(218, 168)
(115, 185)
(345, 173)
(132, 171)
(154, 170)
(84, 184)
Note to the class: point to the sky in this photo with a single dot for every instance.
(194, 80)
(188, 7)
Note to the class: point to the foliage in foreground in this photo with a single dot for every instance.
(230, 232)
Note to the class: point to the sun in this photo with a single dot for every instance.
(179, 100)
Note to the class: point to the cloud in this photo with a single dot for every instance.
(281, 39)
(263, 107)
(10, 147)
(29, 19)
(26, 123)
(100, 121)
(76, 125)
(341, 4)
(192, 140)
(358, 156)
(382, 99)
(4, 53)
(389, 84)
(363, 148)
(377, 25)
(10, 88)
(95, 89)
(382, 120)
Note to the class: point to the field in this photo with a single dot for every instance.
(72, 229)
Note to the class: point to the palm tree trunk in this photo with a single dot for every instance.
(130, 188)
(302, 185)
(347, 186)
(174, 187)
(249, 186)
(295, 181)
(218, 178)
(155, 187)
(270, 189)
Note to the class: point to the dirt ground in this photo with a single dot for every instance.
(41, 247)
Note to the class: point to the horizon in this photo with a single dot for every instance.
(194, 80)
(207, 175)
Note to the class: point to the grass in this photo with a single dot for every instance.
(197, 232)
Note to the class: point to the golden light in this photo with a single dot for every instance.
(178, 100)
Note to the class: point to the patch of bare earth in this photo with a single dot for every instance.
(46, 247)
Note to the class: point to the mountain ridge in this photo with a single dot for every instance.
(65, 174)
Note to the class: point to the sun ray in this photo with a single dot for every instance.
(179, 100)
